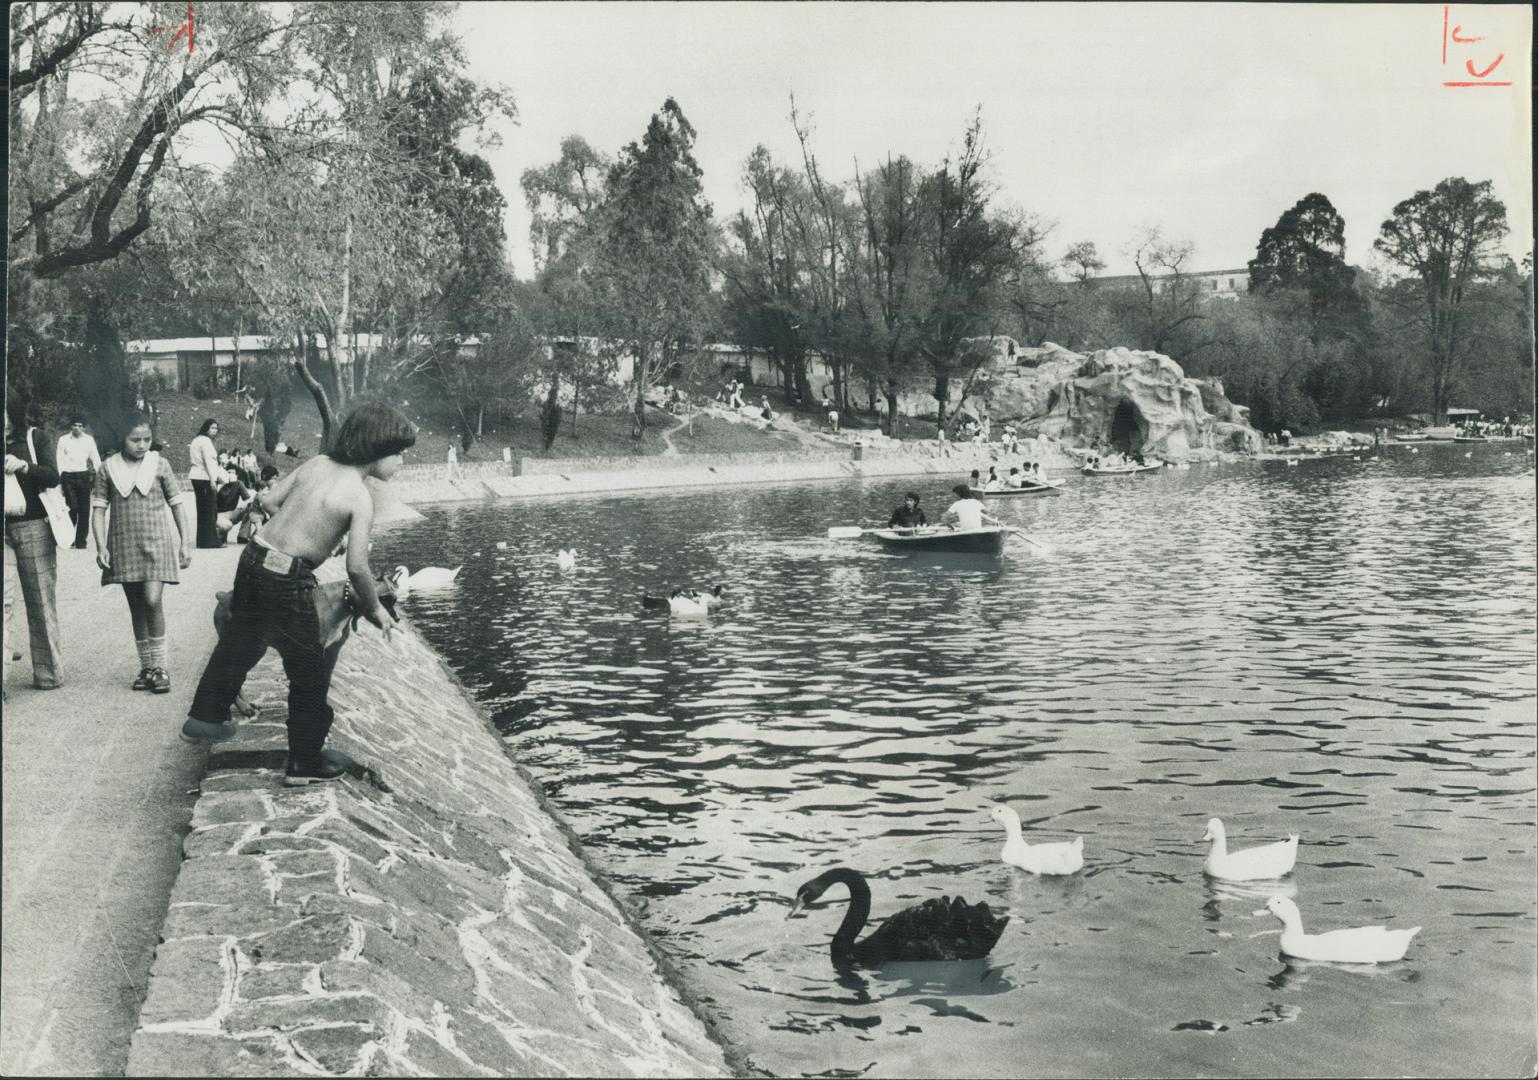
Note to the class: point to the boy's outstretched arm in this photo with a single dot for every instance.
(358, 571)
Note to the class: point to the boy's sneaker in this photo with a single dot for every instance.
(312, 770)
(160, 680)
(142, 682)
(202, 731)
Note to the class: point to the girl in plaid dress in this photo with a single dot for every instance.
(139, 551)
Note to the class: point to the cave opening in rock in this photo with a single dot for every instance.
(1126, 433)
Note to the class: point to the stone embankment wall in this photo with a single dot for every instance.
(622, 476)
(427, 915)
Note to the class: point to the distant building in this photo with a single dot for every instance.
(1213, 284)
(187, 362)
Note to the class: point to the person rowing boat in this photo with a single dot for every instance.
(908, 515)
(967, 511)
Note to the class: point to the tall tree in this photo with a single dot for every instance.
(1306, 250)
(654, 257)
(1168, 299)
(1447, 239)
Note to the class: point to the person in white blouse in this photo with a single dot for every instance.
(206, 476)
(78, 461)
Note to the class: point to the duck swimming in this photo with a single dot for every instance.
(1252, 864)
(943, 929)
(566, 560)
(685, 602)
(429, 577)
(1360, 945)
(1060, 858)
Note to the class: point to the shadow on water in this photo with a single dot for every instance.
(1342, 649)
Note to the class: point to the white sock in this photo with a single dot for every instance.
(156, 647)
(144, 653)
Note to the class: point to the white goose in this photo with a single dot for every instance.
(1060, 858)
(1359, 945)
(429, 577)
(1252, 864)
(566, 560)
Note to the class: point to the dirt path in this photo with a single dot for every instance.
(667, 437)
(98, 795)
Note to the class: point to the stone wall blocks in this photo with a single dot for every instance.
(421, 956)
(337, 1050)
(432, 1058)
(217, 839)
(219, 920)
(188, 980)
(174, 1053)
(368, 909)
(350, 838)
(313, 939)
(295, 890)
(274, 980)
(220, 807)
(360, 976)
(292, 1014)
(485, 1044)
(321, 858)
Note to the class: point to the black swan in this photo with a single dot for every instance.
(942, 929)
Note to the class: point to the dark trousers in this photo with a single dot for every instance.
(272, 610)
(77, 496)
(208, 514)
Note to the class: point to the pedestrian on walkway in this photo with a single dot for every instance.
(139, 550)
(206, 477)
(78, 461)
(274, 602)
(31, 554)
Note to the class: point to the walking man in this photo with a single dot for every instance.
(78, 461)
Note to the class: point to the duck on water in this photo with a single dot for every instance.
(943, 929)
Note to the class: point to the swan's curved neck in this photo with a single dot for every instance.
(858, 913)
(1012, 829)
(1219, 844)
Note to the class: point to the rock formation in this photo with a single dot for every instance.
(1129, 400)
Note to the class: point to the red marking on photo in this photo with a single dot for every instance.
(187, 28)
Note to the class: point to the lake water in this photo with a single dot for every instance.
(1342, 649)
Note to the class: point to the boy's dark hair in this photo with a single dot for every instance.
(268, 472)
(210, 422)
(371, 431)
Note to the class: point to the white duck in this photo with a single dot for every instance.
(1359, 945)
(566, 560)
(429, 577)
(1060, 858)
(1252, 864)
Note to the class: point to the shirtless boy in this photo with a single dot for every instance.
(311, 510)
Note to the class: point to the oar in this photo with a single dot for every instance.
(845, 532)
(1037, 544)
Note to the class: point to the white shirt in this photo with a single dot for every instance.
(76, 453)
(969, 513)
(205, 460)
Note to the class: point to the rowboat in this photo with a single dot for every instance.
(1409, 438)
(984, 541)
(1121, 470)
(1470, 438)
(1040, 487)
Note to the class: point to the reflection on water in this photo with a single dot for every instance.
(1344, 650)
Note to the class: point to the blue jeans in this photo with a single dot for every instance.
(273, 609)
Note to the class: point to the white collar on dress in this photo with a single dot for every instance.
(126, 477)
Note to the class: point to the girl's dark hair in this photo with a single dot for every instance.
(210, 422)
(371, 431)
(132, 420)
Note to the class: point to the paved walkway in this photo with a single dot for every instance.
(98, 796)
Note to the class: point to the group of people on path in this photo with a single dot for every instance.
(144, 537)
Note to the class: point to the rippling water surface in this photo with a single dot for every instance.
(1344, 650)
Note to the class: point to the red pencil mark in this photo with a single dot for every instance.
(1481, 74)
(1455, 31)
(186, 28)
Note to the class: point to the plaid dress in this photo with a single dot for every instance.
(142, 542)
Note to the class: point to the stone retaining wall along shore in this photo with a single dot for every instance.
(578, 476)
(428, 915)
